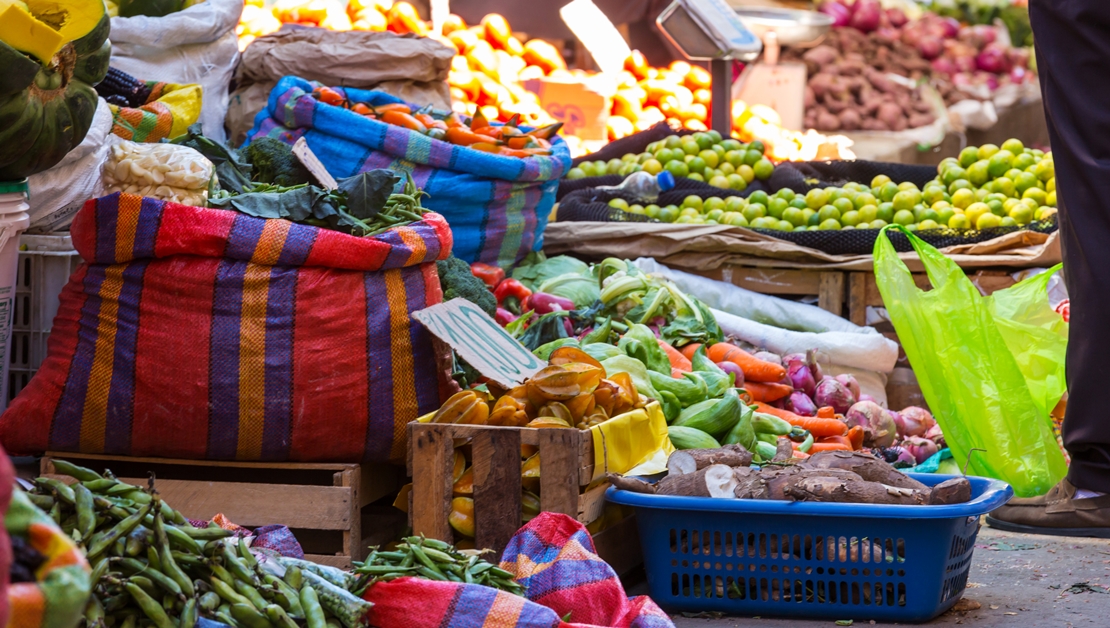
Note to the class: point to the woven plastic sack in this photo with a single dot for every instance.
(208, 334)
(168, 112)
(554, 558)
(61, 589)
(497, 206)
(196, 45)
(975, 357)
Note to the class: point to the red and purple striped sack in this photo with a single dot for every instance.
(554, 558)
(208, 334)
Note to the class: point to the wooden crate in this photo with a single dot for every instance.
(321, 503)
(566, 469)
(827, 285)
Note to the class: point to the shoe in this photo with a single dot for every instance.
(1057, 513)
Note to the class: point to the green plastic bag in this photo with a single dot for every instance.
(991, 369)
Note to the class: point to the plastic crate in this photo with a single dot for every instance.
(804, 559)
(44, 269)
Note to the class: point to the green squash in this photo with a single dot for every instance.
(46, 109)
(152, 8)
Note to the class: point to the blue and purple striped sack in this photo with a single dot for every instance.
(497, 206)
(208, 334)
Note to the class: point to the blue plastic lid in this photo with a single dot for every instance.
(665, 180)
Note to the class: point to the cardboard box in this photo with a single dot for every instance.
(582, 105)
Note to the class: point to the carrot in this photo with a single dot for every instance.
(404, 120)
(690, 349)
(393, 106)
(678, 360)
(843, 440)
(826, 412)
(677, 373)
(755, 370)
(328, 95)
(762, 391)
(818, 447)
(855, 436)
(426, 120)
(818, 427)
(361, 109)
(465, 137)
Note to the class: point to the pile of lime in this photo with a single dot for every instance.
(723, 163)
(998, 187)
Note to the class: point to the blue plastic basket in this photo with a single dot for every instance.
(799, 559)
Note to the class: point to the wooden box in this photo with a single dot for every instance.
(321, 503)
(827, 285)
(566, 471)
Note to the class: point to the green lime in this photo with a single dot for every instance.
(744, 170)
(652, 211)
(794, 216)
(644, 157)
(1045, 169)
(817, 198)
(714, 135)
(864, 198)
(690, 147)
(904, 217)
(694, 201)
(1007, 222)
(737, 182)
(959, 221)
(678, 169)
(714, 202)
(953, 174)
(1050, 199)
(735, 204)
(752, 156)
(880, 180)
(981, 194)
(629, 157)
(945, 214)
(714, 215)
(867, 213)
(933, 194)
(959, 184)
(1024, 160)
(1050, 185)
(1013, 173)
(1005, 186)
(776, 207)
(665, 155)
(696, 164)
(689, 211)
(799, 202)
(886, 212)
(979, 172)
(969, 156)
(878, 223)
(906, 199)
(738, 221)
(1014, 145)
(784, 225)
(1000, 163)
(704, 140)
(754, 210)
(719, 181)
(653, 166)
(720, 150)
(786, 194)
(735, 157)
(986, 150)
(850, 218)
(887, 192)
(811, 219)
(613, 166)
(988, 221)
(1024, 181)
(829, 225)
(757, 145)
(947, 163)
(758, 196)
(619, 203)
(1035, 194)
(928, 223)
(843, 205)
(669, 213)
(763, 169)
(1038, 153)
(654, 146)
(827, 212)
(731, 144)
(673, 141)
(710, 158)
(576, 173)
(1022, 214)
(636, 209)
(726, 168)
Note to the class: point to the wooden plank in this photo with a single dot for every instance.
(619, 545)
(591, 503)
(352, 533)
(308, 466)
(251, 505)
(558, 471)
(768, 280)
(496, 466)
(432, 460)
(342, 562)
(377, 481)
(585, 458)
(831, 294)
(857, 298)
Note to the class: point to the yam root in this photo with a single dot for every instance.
(771, 483)
(836, 490)
(690, 460)
(634, 485)
(954, 491)
(864, 465)
(716, 480)
(783, 451)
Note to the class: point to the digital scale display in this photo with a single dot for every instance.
(708, 30)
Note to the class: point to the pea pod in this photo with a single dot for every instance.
(236, 566)
(245, 553)
(293, 577)
(313, 612)
(209, 601)
(42, 502)
(350, 610)
(286, 594)
(181, 540)
(59, 488)
(338, 577)
(205, 534)
(225, 591)
(120, 529)
(249, 616)
(169, 565)
(94, 611)
(279, 618)
(86, 516)
(80, 473)
(150, 607)
(157, 577)
(218, 571)
(189, 614)
(252, 594)
(99, 485)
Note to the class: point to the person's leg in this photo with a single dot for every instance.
(1073, 58)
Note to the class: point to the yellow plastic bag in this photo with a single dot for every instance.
(168, 112)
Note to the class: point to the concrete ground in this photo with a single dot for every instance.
(1016, 580)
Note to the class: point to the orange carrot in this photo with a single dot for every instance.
(465, 137)
(818, 447)
(393, 106)
(818, 427)
(402, 119)
(855, 436)
(677, 373)
(843, 440)
(678, 360)
(826, 412)
(762, 391)
(690, 349)
(755, 370)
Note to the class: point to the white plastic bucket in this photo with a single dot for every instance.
(14, 220)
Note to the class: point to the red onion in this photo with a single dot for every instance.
(993, 59)
(915, 421)
(1018, 74)
(802, 405)
(929, 47)
(814, 367)
(951, 27)
(934, 434)
(834, 394)
(801, 378)
(866, 15)
(729, 367)
(896, 18)
(878, 426)
(839, 13)
(920, 448)
(850, 382)
(944, 65)
(887, 35)
(867, 397)
(985, 33)
(992, 82)
(902, 458)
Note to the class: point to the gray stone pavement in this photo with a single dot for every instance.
(1016, 580)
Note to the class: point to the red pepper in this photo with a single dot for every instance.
(511, 288)
(490, 275)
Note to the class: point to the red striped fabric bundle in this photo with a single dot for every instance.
(209, 334)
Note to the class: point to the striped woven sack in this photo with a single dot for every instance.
(168, 112)
(209, 334)
(497, 206)
(554, 558)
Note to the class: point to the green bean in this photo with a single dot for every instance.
(80, 473)
(431, 574)
(151, 608)
(501, 573)
(249, 592)
(169, 565)
(181, 540)
(438, 556)
(120, 529)
(382, 569)
(153, 558)
(99, 485)
(205, 534)
(389, 556)
(418, 552)
(313, 612)
(278, 617)
(249, 616)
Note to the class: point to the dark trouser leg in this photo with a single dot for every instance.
(1073, 56)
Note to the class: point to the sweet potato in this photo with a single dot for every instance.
(690, 460)
(827, 122)
(850, 119)
(891, 115)
(920, 119)
(634, 485)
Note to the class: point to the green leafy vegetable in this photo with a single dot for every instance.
(639, 342)
(368, 192)
(534, 274)
(273, 161)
